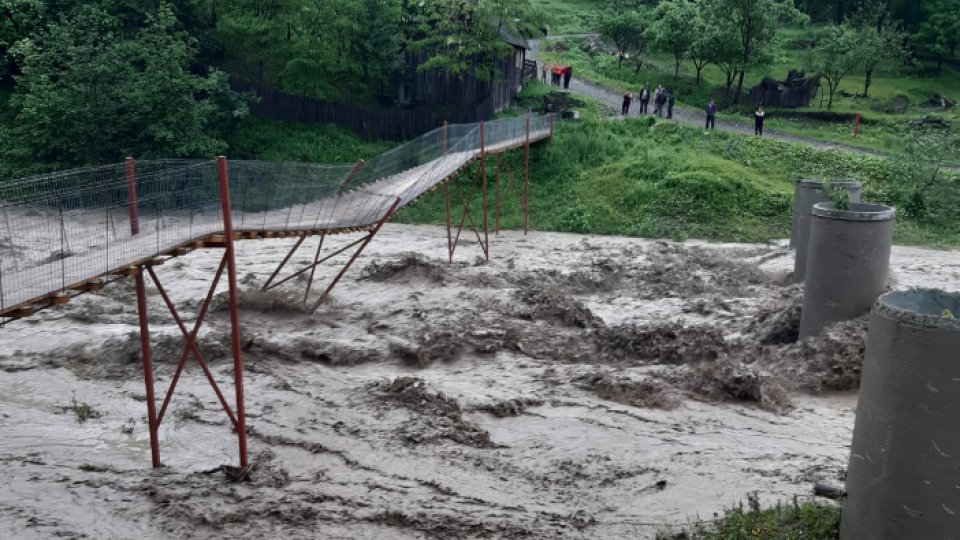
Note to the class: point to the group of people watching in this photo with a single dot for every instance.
(663, 101)
(758, 117)
(559, 75)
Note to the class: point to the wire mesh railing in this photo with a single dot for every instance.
(63, 229)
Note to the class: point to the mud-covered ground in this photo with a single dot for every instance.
(580, 387)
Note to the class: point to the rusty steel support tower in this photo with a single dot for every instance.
(237, 415)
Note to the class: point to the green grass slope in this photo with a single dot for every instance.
(665, 180)
(271, 140)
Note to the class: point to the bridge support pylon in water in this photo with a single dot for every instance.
(512, 185)
(360, 244)
(465, 198)
(237, 415)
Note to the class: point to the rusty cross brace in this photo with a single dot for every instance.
(266, 286)
(356, 254)
(228, 263)
(362, 242)
(316, 263)
(466, 217)
(190, 345)
(511, 187)
(522, 197)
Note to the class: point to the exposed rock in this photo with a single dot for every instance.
(797, 91)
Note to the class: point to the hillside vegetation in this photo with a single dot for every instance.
(641, 178)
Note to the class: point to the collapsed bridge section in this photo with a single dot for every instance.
(67, 233)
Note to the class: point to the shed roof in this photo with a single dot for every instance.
(516, 41)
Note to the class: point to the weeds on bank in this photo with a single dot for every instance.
(792, 521)
(83, 411)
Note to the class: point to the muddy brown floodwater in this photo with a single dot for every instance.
(578, 387)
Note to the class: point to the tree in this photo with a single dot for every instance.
(332, 49)
(756, 23)
(703, 49)
(677, 27)
(720, 43)
(835, 56)
(923, 189)
(623, 7)
(939, 34)
(466, 36)
(629, 33)
(89, 93)
(19, 19)
(879, 39)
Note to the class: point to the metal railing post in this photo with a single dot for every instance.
(526, 179)
(353, 172)
(234, 308)
(444, 142)
(142, 315)
(483, 189)
(130, 173)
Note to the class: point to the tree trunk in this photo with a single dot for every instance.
(676, 70)
(833, 88)
(620, 64)
(736, 97)
(867, 81)
(699, 69)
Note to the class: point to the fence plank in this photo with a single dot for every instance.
(373, 123)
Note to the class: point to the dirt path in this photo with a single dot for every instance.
(697, 118)
(574, 387)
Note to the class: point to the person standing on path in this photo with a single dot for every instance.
(543, 73)
(567, 75)
(671, 101)
(644, 100)
(758, 121)
(627, 99)
(661, 100)
(711, 115)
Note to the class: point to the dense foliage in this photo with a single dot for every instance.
(741, 36)
(91, 82)
(90, 90)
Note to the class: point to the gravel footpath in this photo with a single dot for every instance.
(693, 117)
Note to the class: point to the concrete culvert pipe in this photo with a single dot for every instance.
(806, 194)
(903, 479)
(848, 256)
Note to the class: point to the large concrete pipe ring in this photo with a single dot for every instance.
(848, 256)
(903, 479)
(806, 194)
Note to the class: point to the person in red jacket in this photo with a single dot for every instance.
(567, 75)
(627, 99)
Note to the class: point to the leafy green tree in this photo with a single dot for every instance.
(466, 36)
(626, 32)
(879, 39)
(835, 56)
(720, 45)
(702, 50)
(755, 23)
(90, 92)
(19, 19)
(939, 34)
(923, 189)
(677, 28)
